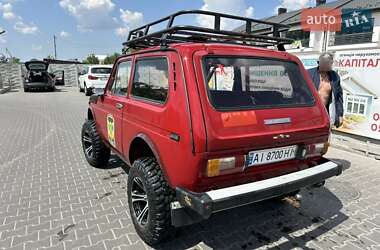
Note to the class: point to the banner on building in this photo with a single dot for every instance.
(359, 71)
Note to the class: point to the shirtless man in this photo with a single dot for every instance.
(327, 82)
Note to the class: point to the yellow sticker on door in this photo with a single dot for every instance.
(111, 130)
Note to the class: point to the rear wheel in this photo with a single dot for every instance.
(149, 198)
(95, 151)
(80, 89)
(87, 91)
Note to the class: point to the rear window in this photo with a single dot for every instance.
(250, 83)
(101, 70)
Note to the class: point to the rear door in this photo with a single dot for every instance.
(258, 102)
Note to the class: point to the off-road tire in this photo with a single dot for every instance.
(100, 152)
(159, 195)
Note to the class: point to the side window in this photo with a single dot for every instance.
(120, 83)
(150, 79)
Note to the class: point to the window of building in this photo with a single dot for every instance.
(299, 35)
(151, 79)
(356, 105)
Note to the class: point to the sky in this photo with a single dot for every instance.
(82, 27)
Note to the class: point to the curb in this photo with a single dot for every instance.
(358, 146)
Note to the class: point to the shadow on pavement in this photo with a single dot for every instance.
(265, 223)
(273, 223)
(346, 164)
(115, 162)
(31, 91)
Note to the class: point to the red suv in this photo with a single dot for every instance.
(207, 121)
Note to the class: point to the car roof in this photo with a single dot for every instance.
(100, 66)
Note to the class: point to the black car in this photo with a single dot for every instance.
(38, 77)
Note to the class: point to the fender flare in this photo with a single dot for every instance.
(155, 152)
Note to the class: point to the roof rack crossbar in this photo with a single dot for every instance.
(140, 37)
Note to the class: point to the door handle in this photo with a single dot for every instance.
(119, 105)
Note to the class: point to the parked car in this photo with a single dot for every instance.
(208, 122)
(38, 77)
(93, 78)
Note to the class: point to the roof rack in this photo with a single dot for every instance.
(141, 38)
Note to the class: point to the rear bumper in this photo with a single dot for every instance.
(193, 207)
(96, 84)
(38, 84)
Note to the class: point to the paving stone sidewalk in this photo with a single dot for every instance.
(50, 198)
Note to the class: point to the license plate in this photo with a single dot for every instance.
(267, 156)
(98, 90)
(103, 78)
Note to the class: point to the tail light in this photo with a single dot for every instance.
(91, 77)
(226, 165)
(317, 149)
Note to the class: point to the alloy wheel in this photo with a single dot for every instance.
(88, 146)
(139, 200)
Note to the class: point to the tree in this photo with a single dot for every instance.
(111, 58)
(91, 59)
(4, 59)
(15, 60)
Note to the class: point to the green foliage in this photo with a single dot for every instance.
(16, 60)
(111, 58)
(91, 59)
(4, 59)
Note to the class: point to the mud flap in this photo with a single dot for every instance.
(182, 216)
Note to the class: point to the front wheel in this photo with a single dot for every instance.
(149, 198)
(95, 151)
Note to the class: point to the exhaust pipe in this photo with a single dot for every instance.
(319, 185)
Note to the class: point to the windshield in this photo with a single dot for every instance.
(250, 83)
(101, 70)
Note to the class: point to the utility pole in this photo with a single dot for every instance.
(55, 47)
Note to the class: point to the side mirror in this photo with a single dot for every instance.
(96, 97)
